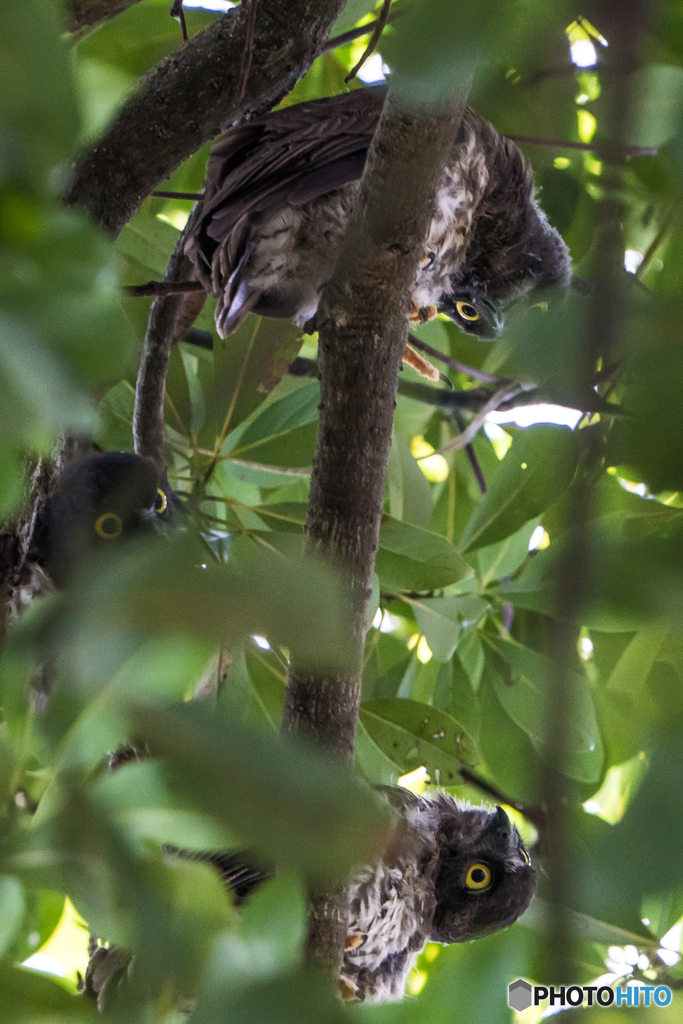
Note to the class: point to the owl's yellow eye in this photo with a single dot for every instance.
(161, 502)
(109, 526)
(525, 856)
(478, 877)
(467, 311)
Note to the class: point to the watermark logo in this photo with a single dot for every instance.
(522, 995)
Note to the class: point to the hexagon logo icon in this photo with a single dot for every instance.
(519, 995)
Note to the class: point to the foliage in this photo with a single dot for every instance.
(461, 654)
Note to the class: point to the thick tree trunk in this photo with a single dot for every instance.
(363, 326)
(189, 96)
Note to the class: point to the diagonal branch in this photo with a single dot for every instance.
(363, 329)
(170, 316)
(81, 13)
(189, 96)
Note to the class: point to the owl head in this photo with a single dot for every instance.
(513, 249)
(99, 502)
(484, 880)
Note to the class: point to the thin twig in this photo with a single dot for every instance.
(471, 455)
(348, 37)
(171, 315)
(156, 288)
(586, 147)
(194, 196)
(357, 32)
(499, 396)
(455, 364)
(248, 51)
(536, 815)
(178, 13)
(655, 244)
(374, 39)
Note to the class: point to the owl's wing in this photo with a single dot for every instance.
(290, 156)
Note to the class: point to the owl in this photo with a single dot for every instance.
(280, 190)
(456, 873)
(97, 502)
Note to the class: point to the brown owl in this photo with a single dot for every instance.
(458, 873)
(280, 190)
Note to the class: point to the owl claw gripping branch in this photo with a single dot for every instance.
(280, 190)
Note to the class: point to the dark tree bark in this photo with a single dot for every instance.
(81, 13)
(363, 327)
(190, 95)
(169, 318)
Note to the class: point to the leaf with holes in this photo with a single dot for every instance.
(412, 734)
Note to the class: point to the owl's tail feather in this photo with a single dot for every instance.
(229, 318)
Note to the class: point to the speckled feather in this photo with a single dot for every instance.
(420, 895)
(280, 190)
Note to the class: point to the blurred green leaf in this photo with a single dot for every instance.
(26, 996)
(525, 698)
(12, 909)
(43, 122)
(657, 104)
(274, 794)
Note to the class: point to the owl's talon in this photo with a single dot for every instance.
(347, 988)
(431, 312)
(354, 940)
(414, 313)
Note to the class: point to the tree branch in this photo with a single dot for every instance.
(81, 13)
(169, 318)
(363, 329)
(190, 95)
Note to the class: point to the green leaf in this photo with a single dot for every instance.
(29, 996)
(471, 655)
(503, 559)
(12, 910)
(42, 122)
(410, 496)
(248, 365)
(412, 734)
(583, 927)
(283, 434)
(413, 559)
(537, 588)
(352, 13)
(525, 699)
(149, 241)
(137, 797)
(137, 38)
(656, 105)
(536, 470)
(371, 760)
(634, 665)
(294, 805)
(408, 558)
(439, 624)
(291, 599)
